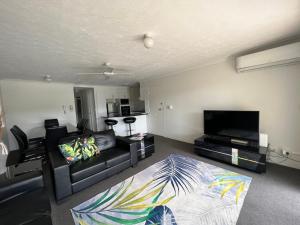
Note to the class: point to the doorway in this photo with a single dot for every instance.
(85, 106)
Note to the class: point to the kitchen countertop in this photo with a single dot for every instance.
(133, 114)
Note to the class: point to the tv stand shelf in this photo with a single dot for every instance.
(248, 157)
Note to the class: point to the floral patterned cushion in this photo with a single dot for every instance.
(71, 151)
(88, 147)
(80, 148)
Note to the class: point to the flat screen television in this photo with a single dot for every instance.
(242, 125)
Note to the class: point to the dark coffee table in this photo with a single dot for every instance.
(145, 147)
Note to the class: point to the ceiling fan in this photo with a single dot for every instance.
(107, 71)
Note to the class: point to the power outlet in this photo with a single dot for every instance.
(285, 153)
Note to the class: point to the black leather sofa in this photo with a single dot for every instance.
(24, 200)
(115, 155)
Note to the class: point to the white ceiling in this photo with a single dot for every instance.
(66, 37)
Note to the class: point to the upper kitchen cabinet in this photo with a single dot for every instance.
(134, 93)
(144, 93)
(108, 92)
(122, 92)
(111, 92)
(137, 105)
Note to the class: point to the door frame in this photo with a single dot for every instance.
(92, 105)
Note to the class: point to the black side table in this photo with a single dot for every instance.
(145, 146)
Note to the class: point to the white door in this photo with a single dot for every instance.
(157, 115)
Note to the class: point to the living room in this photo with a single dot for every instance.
(142, 112)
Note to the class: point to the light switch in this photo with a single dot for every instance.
(64, 109)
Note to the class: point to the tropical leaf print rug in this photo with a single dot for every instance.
(178, 190)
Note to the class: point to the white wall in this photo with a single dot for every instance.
(4, 135)
(28, 103)
(275, 92)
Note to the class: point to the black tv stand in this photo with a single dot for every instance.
(250, 156)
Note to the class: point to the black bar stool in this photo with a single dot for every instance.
(129, 121)
(110, 123)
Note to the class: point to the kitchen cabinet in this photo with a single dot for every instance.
(116, 92)
(122, 92)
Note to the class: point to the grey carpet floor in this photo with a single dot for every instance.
(273, 197)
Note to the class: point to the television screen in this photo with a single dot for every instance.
(234, 124)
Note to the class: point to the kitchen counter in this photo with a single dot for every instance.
(132, 114)
(139, 126)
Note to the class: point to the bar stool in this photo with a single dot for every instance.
(129, 121)
(110, 123)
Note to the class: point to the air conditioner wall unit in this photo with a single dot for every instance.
(282, 55)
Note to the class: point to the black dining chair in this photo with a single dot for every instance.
(53, 134)
(30, 149)
(51, 123)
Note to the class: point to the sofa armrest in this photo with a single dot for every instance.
(131, 146)
(61, 174)
(21, 184)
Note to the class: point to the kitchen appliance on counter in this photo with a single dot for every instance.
(118, 107)
(113, 107)
(124, 107)
(124, 101)
(125, 110)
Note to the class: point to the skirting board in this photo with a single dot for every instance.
(286, 162)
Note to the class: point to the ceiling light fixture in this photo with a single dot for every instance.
(148, 41)
(47, 78)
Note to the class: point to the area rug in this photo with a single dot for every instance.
(178, 190)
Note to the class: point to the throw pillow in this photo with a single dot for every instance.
(88, 147)
(71, 151)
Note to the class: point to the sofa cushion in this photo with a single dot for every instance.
(86, 168)
(115, 156)
(71, 150)
(108, 158)
(88, 147)
(78, 186)
(105, 139)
